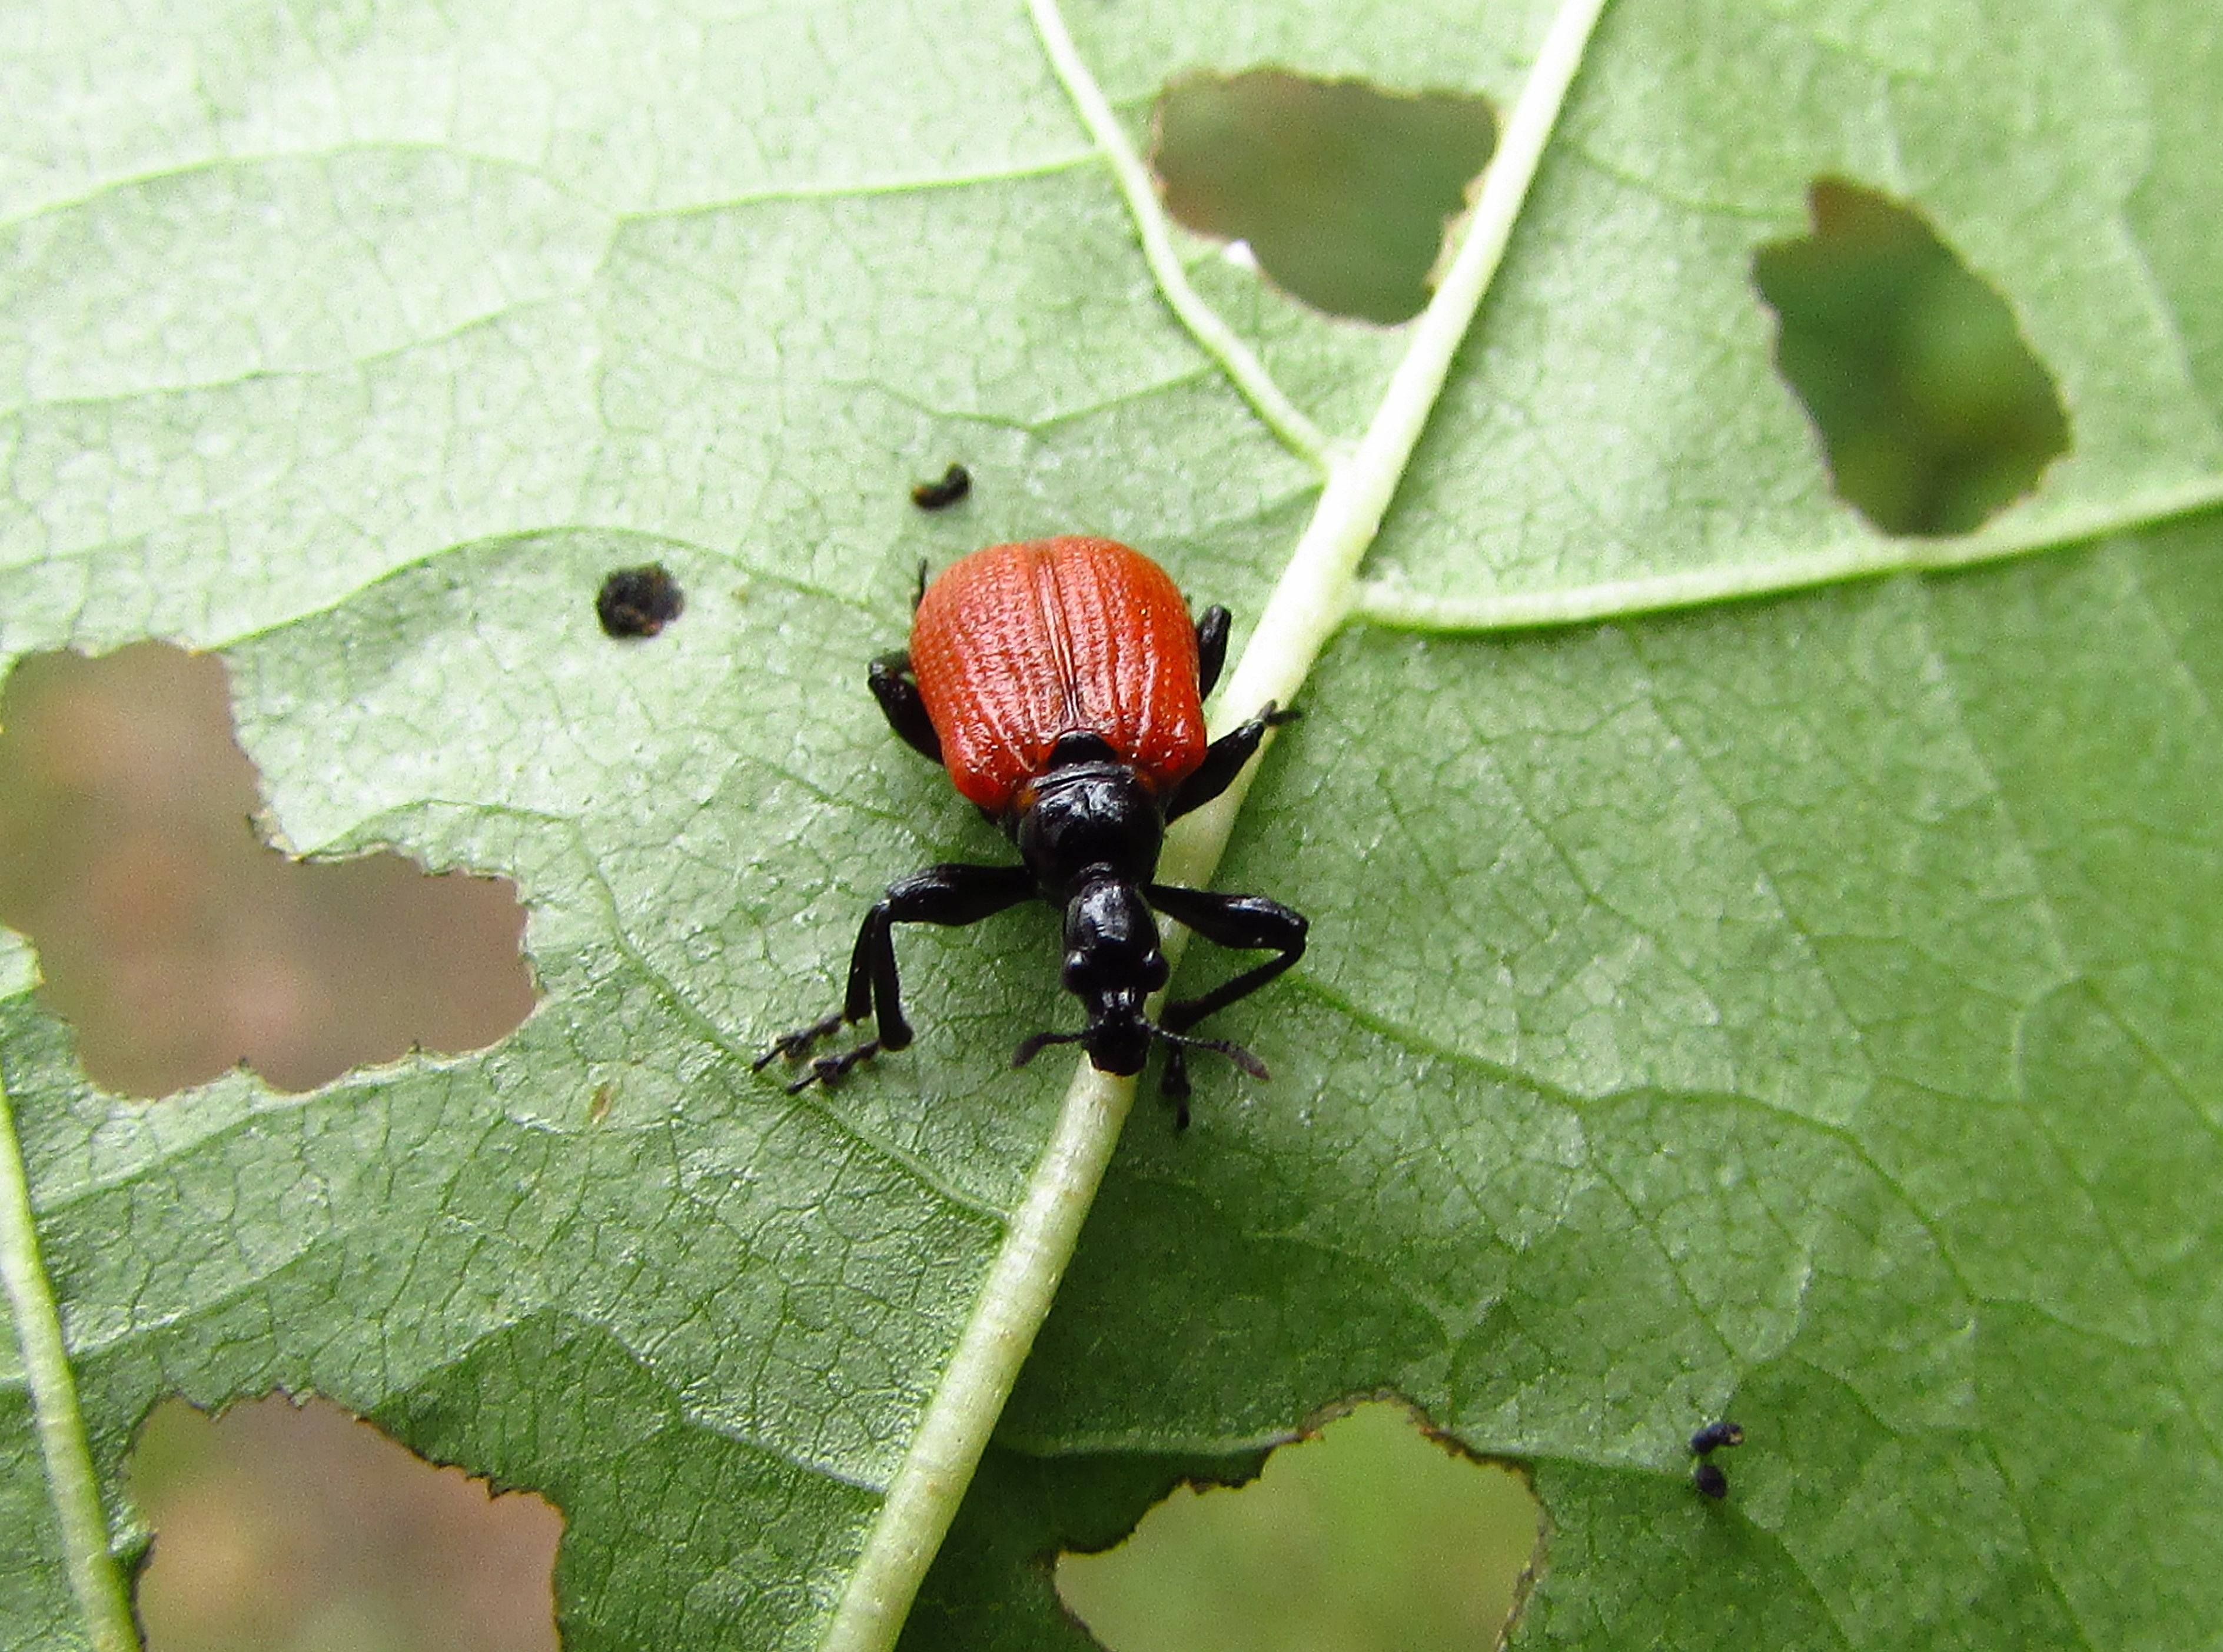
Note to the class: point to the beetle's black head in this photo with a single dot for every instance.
(1112, 964)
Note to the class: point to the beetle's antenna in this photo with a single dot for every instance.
(1234, 1052)
(1227, 1047)
(1042, 1040)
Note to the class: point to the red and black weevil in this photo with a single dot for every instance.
(1061, 683)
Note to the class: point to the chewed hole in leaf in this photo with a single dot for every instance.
(174, 940)
(1370, 1535)
(279, 1527)
(1341, 192)
(1934, 412)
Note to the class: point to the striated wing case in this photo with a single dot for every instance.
(1019, 645)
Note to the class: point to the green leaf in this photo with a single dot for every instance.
(1801, 1007)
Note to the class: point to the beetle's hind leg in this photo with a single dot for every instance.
(1211, 627)
(951, 894)
(901, 703)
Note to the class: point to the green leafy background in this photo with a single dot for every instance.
(1807, 1008)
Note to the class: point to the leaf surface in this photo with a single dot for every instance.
(1804, 1008)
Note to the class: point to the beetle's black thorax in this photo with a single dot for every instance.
(1087, 818)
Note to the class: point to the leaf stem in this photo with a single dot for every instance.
(923, 1498)
(94, 1576)
(1314, 594)
(1282, 416)
(1311, 598)
(1385, 603)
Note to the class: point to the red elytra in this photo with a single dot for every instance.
(1018, 645)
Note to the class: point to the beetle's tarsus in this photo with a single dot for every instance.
(796, 1045)
(827, 1071)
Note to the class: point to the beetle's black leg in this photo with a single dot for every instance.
(918, 595)
(890, 679)
(1224, 759)
(950, 894)
(1244, 922)
(1210, 647)
(1247, 923)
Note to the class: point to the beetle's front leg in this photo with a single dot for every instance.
(950, 894)
(1245, 922)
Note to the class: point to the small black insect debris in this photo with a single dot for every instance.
(1709, 1480)
(1715, 1436)
(638, 602)
(956, 483)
